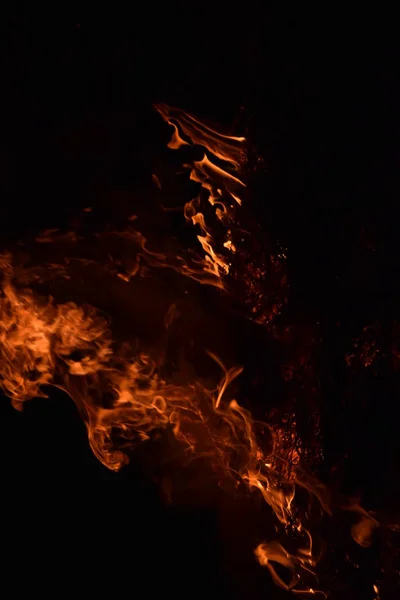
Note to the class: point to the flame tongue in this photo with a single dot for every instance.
(226, 148)
(221, 185)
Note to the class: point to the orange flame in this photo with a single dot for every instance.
(120, 392)
(222, 189)
(71, 347)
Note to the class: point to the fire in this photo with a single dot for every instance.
(119, 387)
(220, 185)
(71, 347)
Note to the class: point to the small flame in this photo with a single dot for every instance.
(221, 188)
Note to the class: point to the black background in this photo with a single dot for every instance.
(318, 95)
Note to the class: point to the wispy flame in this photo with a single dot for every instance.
(119, 387)
(221, 187)
(123, 398)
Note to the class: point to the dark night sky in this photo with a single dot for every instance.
(319, 96)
